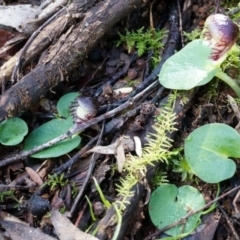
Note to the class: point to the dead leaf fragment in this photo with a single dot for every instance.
(138, 146)
(65, 230)
(34, 176)
(15, 230)
(19, 14)
(120, 156)
(10, 218)
(110, 149)
(116, 148)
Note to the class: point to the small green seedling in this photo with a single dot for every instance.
(7, 195)
(158, 179)
(74, 191)
(53, 129)
(180, 165)
(91, 209)
(143, 41)
(198, 62)
(234, 9)
(119, 222)
(207, 150)
(195, 34)
(105, 202)
(55, 180)
(12, 131)
(169, 204)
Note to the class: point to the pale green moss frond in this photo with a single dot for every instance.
(156, 150)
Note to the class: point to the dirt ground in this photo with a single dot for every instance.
(50, 197)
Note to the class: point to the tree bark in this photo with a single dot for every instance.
(64, 56)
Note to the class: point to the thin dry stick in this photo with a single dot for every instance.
(180, 22)
(235, 200)
(229, 223)
(77, 128)
(75, 158)
(192, 213)
(217, 2)
(151, 17)
(235, 109)
(90, 170)
(3, 83)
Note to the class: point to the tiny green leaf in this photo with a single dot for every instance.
(207, 150)
(169, 204)
(189, 68)
(49, 131)
(64, 103)
(12, 131)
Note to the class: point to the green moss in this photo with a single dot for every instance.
(157, 149)
(144, 41)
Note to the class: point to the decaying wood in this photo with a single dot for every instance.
(64, 56)
(46, 36)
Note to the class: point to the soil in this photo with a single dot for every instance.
(30, 188)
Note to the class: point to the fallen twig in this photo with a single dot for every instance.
(229, 223)
(89, 172)
(75, 158)
(77, 128)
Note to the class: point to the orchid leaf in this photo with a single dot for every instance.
(189, 68)
(54, 129)
(169, 204)
(49, 131)
(12, 131)
(207, 150)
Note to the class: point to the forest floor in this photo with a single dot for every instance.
(111, 109)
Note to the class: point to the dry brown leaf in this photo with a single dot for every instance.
(34, 176)
(8, 217)
(120, 155)
(65, 230)
(116, 148)
(45, 168)
(20, 15)
(110, 149)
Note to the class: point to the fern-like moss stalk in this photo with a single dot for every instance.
(135, 168)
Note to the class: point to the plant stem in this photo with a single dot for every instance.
(228, 80)
(119, 218)
(106, 203)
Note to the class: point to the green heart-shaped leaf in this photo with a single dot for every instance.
(188, 68)
(12, 131)
(207, 150)
(49, 131)
(169, 204)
